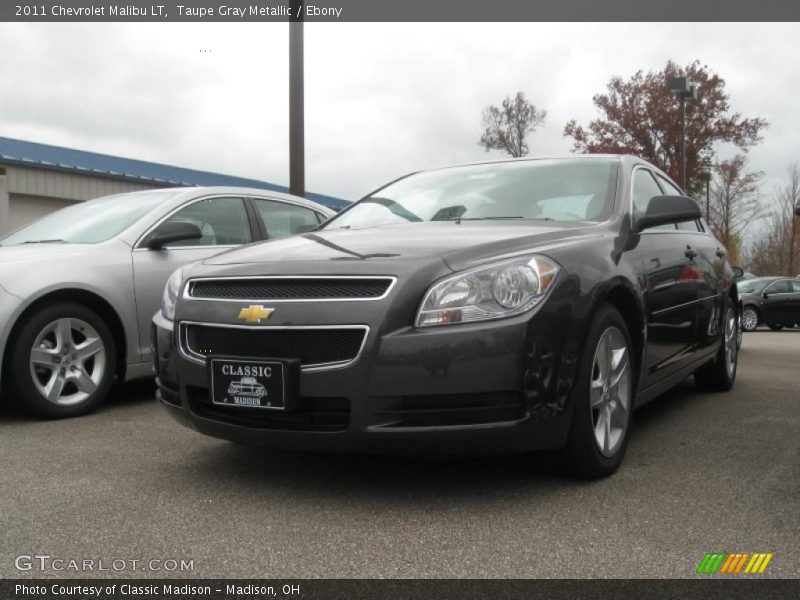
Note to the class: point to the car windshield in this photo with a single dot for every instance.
(557, 190)
(753, 286)
(89, 222)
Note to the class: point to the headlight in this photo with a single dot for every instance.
(491, 292)
(170, 297)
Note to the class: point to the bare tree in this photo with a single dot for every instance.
(735, 202)
(507, 127)
(790, 194)
(775, 252)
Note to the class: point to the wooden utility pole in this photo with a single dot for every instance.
(297, 151)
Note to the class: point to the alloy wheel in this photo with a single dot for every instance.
(731, 345)
(67, 361)
(609, 391)
(749, 319)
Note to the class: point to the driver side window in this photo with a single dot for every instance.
(644, 188)
(223, 222)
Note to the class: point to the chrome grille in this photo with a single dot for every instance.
(290, 289)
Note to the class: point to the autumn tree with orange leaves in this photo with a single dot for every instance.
(640, 116)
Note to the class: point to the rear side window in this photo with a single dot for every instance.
(282, 219)
(796, 285)
(784, 286)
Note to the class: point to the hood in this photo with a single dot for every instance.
(21, 253)
(457, 244)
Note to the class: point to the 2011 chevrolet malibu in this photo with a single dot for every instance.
(79, 286)
(496, 307)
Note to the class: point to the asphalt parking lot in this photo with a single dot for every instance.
(704, 472)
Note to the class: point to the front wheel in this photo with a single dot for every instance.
(63, 363)
(602, 399)
(749, 318)
(775, 326)
(720, 374)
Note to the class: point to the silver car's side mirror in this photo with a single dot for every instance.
(170, 232)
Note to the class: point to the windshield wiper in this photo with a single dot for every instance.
(486, 218)
(54, 241)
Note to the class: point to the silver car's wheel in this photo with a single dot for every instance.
(749, 318)
(610, 391)
(68, 361)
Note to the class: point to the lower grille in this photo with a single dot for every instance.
(450, 409)
(313, 346)
(316, 414)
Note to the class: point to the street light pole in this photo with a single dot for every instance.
(297, 176)
(684, 90)
(683, 141)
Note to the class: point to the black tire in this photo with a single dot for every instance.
(749, 324)
(718, 375)
(582, 455)
(775, 326)
(22, 388)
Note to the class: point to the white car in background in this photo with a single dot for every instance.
(78, 287)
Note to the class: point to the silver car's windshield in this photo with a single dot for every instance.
(558, 190)
(89, 222)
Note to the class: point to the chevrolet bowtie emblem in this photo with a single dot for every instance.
(255, 313)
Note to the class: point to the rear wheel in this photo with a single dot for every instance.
(775, 326)
(720, 374)
(602, 399)
(63, 362)
(749, 318)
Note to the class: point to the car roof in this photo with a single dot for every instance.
(765, 278)
(181, 194)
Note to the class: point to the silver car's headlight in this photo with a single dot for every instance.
(170, 297)
(495, 291)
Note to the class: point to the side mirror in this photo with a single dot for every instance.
(738, 273)
(765, 295)
(663, 210)
(174, 231)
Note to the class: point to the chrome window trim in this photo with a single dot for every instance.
(185, 351)
(187, 286)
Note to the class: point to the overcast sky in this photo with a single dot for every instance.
(381, 99)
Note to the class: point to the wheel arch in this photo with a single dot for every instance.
(88, 298)
(622, 296)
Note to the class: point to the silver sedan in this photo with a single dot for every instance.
(78, 288)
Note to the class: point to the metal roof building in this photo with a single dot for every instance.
(36, 179)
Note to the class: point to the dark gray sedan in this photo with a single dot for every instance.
(771, 301)
(497, 307)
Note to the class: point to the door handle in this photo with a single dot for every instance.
(720, 252)
(690, 252)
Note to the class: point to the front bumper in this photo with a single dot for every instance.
(494, 387)
(10, 308)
